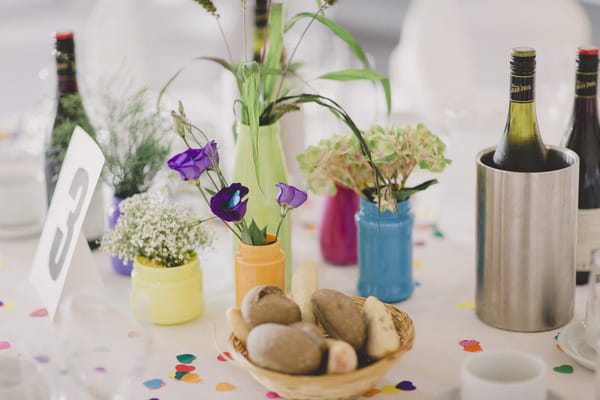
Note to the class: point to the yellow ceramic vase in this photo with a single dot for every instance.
(170, 295)
(258, 265)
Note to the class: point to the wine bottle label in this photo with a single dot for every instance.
(588, 237)
(586, 85)
(521, 88)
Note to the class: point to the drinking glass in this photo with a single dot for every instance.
(21, 378)
(104, 349)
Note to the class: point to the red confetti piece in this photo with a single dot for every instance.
(272, 395)
(184, 368)
(4, 345)
(100, 369)
(419, 243)
(468, 342)
(226, 354)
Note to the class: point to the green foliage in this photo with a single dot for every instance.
(395, 151)
(136, 144)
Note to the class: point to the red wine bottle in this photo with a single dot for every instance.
(583, 137)
(521, 148)
(69, 114)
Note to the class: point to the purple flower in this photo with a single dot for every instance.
(227, 203)
(193, 162)
(290, 196)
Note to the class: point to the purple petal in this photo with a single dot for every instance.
(290, 196)
(221, 203)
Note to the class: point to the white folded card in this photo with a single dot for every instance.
(61, 244)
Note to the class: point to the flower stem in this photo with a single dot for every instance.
(289, 62)
(225, 40)
(284, 212)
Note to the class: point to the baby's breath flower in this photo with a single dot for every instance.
(164, 233)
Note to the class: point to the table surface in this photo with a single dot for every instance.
(441, 308)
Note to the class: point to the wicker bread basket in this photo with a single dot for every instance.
(328, 387)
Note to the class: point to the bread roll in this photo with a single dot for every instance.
(313, 332)
(268, 303)
(382, 338)
(304, 284)
(339, 316)
(237, 323)
(341, 357)
(284, 349)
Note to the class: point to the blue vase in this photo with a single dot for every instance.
(385, 252)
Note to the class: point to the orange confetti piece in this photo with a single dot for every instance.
(192, 377)
(371, 392)
(224, 387)
(558, 347)
(473, 348)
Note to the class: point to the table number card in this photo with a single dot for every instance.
(63, 260)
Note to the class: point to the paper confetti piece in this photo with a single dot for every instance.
(184, 368)
(468, 342)
(186, 358)
(154, 384)
(417, 263)
(42, 359)
(40, 312)
(473, 348)
(406, 385)
(63, 371)
(171, 374)
(272, 395)
(1, 303)
(4, 345)
(192, 378)
(417, 283)
(179, 375)
(419, 243)
(389, 389)
(221, 357)
(558, 347)
(224, 387)
(1, 262)
(437, 232)
(310, 227)
(133, 334)
(371, 392)
(556, 336)
(467, 305)
(7, 305)
(100, 369)
(155, 398)
(564, 369)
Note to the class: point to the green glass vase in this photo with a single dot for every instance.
(262, 199)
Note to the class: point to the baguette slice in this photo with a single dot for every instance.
(304, 284)
(382, 338)
(237, 323)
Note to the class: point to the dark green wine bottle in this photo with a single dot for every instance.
(69, 110)
(69, 114)
(521, 148)
(583, 137)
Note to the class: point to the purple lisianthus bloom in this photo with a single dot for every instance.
(193, 162)
(186, 163)
(227, 203)
(290, 196)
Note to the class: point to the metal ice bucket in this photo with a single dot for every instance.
(526, 239)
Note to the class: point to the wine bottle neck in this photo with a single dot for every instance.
(522, 88)
(66, 72)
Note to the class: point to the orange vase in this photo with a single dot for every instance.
(258, 265)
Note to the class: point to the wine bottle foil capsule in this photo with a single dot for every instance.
(526, 240)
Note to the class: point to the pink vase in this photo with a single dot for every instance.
(337, 233)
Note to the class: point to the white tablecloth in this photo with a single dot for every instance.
(445, 275)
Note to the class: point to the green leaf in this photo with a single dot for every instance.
(250, 92)
(354, 75)
(363, 74)
(340, 32)
(275, 48)
(258, 236)
(210, 191)
(405, 193)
